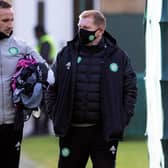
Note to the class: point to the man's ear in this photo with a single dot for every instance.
(99, 31)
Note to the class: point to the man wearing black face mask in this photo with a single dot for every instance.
(11, 50)
(86, 36)
(93, 97)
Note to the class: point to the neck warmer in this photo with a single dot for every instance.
(3, 36)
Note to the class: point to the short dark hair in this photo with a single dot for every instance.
(4, 4)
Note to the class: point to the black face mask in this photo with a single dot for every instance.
(86, 36)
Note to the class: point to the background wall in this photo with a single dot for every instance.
(122, 6)
(58, 20)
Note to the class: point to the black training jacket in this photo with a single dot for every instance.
(118, 89)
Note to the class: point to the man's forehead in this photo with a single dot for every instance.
(6, 11)
(86, 21)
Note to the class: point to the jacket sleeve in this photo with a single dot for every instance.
(46, 70)
(130, 90)
(51, 93)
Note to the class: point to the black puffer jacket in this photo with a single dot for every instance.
(118, 89)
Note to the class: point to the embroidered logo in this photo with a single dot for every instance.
(68, 65)
(91, 37)
(113, 67)
(113, 150)
(79, 59)
(65, 152)
(13, 50)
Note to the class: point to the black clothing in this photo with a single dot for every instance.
(3, 36)
(80, 143)
(86, 107)
(10, 143)
(118, 89)
(45, 51)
